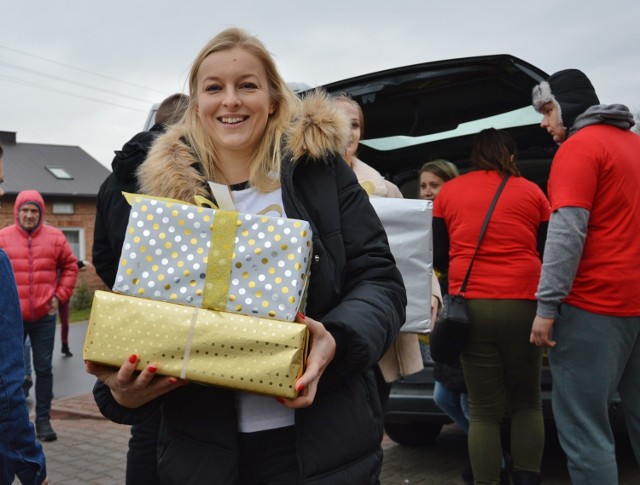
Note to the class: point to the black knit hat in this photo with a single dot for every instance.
(570, 90)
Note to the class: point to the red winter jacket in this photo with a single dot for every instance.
(43, 262)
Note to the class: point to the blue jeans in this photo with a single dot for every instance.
(453, 403)
(595, 355)
(20, 453)
(42, 334)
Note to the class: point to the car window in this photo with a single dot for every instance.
(519, 117)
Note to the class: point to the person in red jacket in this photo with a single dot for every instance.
(45, 270)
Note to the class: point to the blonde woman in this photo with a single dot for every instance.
(246, 129)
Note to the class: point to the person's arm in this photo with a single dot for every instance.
(18, 446)
(562, 252)
(372, 308)
(68, 267)
(440, 245)
(542, 237)
(103, 254)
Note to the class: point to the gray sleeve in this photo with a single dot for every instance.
(562, 252)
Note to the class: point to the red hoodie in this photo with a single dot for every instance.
(43, 262)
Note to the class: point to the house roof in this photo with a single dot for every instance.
(34, 166)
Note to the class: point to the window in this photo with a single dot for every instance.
(60, 173)
(63, 208)
(75, 237)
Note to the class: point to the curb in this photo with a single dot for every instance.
(76, 407)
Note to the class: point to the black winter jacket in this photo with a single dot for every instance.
(112, 212)
(356, 291)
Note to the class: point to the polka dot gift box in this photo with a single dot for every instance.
(228, 261)
(225, 349)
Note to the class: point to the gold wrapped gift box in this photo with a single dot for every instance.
(224, 349)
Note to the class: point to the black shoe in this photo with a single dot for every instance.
(44, 431)
(26, 385)
(521, 477)
(467, 476)
(66, 351)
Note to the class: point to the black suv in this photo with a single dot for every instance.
(417, 113)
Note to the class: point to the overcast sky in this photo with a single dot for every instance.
(85, 73)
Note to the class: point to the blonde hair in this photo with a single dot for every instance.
(441, 168)
(345, 98)
(264, 171)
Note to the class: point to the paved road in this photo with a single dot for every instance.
(69, 376)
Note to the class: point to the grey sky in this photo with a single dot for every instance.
(150, 44)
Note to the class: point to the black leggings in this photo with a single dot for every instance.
(269, 457)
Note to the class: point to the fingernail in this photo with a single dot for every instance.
(299, 387)
(300, 316)
(280, 400)
(173, 380)
(153, 368)
(133, 358)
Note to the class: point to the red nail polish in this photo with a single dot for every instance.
(153, 368)
(300, 316)
(173, 380)
(300, 387)
(280, 400)
(133, 358)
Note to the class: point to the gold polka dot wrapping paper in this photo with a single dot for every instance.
(245, 353)
(228, 261)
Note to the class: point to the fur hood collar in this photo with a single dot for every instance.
(318, 129)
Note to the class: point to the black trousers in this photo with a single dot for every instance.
(142, 463)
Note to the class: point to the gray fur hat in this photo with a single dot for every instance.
(570, 90)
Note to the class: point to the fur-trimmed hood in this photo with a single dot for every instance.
(318, 129)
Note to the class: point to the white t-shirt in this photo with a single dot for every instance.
(255, 412)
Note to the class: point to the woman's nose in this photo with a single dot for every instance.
(231, 98)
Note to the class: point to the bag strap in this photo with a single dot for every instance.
(463, 288)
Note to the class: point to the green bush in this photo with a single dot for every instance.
(82, 297)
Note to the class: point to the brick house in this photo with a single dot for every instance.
(68, 179)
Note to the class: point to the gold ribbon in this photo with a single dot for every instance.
(216, 284)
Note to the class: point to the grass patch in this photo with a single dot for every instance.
(79, 314)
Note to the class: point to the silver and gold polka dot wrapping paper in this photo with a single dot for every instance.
(245, 353)
(254, 265)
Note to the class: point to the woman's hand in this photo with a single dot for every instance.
(322, 350)
(131, 389)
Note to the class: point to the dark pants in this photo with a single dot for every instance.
(42, 334)
(502, 371)
(142, 457)
(269, 457)
(63, 313)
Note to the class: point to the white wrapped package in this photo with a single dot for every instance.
(408, 226)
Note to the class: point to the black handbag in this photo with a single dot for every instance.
(449, 336)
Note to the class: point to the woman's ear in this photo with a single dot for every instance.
(272, 108)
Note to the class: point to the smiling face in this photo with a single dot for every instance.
(551, 122)
(233, 103)
(355, 129)
(430, 185)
